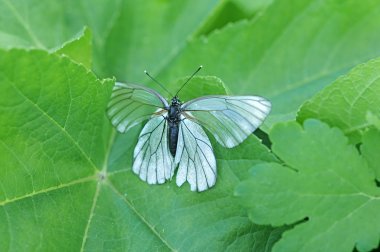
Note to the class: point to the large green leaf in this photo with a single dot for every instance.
(53, 142)
(65, 186)
(325, 185)
(185, 220)
(347, 102)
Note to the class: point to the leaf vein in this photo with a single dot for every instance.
(86, 157)
(24, 24)
(46, 190)
(150, 226)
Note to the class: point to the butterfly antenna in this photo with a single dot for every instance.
(153, 79)
(199, 68)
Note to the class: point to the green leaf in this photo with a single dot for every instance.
(205, 85)
(288, 53)
(213, 219)
(324, 185)
(61, 180)
(230, 11)
(147, 36)
(128, 36)
(347, 102)
(79, 48)
(251, 151)
(53, 143)
(371, 149)
(50, 24)
(373, 119)
(253, 6)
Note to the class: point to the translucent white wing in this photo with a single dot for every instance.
(131, 104)
(152, 159)
(231, 119)
(197, 164)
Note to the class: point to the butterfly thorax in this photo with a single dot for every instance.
(174, 118)
(174, 110)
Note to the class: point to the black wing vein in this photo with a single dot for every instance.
(151, 164)
(197, 164)
(132, 104)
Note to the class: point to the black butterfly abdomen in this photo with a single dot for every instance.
(173, 123)
(173, 137)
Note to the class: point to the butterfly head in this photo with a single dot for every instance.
(176, 101)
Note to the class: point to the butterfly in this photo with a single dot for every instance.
(174, 136)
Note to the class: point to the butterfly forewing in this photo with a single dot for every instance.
(195, 156)
(131, 104)
(152, 159)
(231, 119)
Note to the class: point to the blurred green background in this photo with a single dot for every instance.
(284, 51)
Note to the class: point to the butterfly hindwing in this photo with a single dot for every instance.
(131, 104)
(152, 159)
(195, 156)
(231, 119)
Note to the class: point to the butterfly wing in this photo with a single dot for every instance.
(195, 157)
(231, 119)
(152, 159)
(131, 104)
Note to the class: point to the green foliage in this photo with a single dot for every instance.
(53, 141)
(65, 175)
(349, 101)
(370, 150)
(323, 179)
(206, 85)
(79, 49)
(289, 53)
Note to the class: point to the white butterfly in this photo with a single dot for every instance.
(173, 134)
